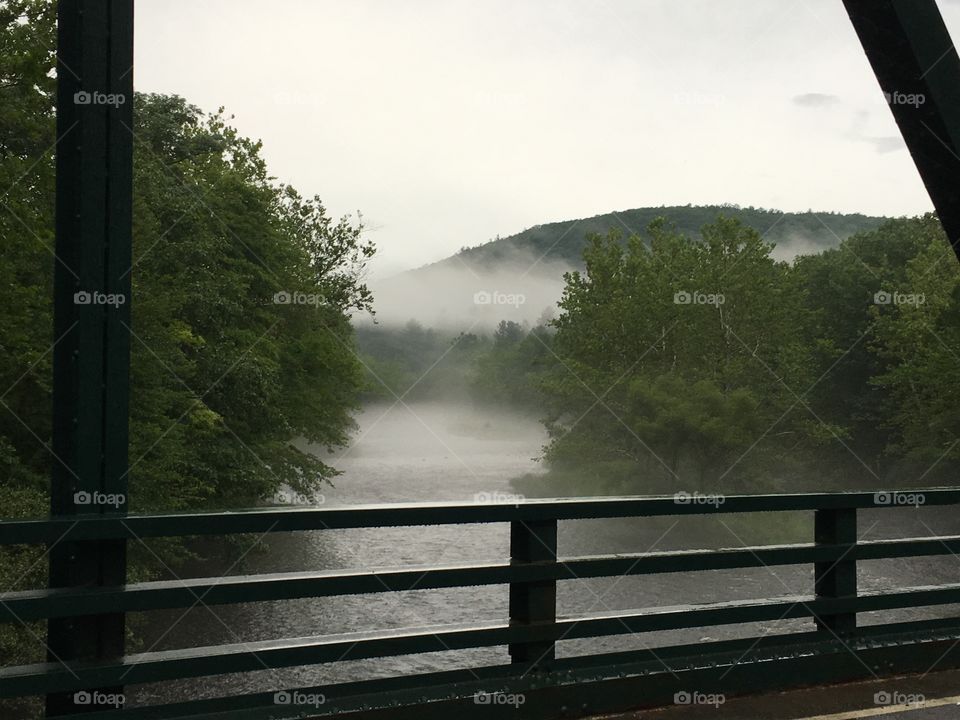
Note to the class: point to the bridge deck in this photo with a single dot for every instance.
(940, 692)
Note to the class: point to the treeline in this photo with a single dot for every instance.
(710, 365)
(703, 363)
(242, 294)
(564, 241)
(416, 363)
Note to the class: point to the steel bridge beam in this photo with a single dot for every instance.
(918, 68)
(94, 161)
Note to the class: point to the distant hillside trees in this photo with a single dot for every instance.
(700, 361)
(687, 364)
(564, 242)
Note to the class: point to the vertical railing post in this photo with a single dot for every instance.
(836, 578)
(91, 358)
(533, 602)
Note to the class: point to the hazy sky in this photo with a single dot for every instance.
(447, 122)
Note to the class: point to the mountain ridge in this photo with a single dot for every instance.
(564, 240)
(520, 277)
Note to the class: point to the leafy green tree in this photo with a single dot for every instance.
(678, 362)
(26, 228)
(917, 339)
(27, 87)
(242, 291)
(840, 288)
(225, 374)
(509, 374)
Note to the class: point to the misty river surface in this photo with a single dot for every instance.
(445, 452)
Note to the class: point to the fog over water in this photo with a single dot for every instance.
(455, 296)
(438, 451)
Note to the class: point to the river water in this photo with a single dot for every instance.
(444, 452)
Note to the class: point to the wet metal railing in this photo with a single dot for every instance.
(533, 627)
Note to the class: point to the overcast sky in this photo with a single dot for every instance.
(447, 122)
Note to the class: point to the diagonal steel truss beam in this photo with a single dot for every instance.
(913, 57)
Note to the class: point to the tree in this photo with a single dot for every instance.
(840, 288)
(679, 362)
(509, 373)
(242, 288)
(917, 339)
(242, 291)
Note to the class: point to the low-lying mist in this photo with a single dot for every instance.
(453, 295)
(458, 295)
(639, 392)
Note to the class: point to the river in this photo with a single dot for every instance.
(445, 452)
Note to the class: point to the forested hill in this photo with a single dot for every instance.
(793, 233)
(531, 264)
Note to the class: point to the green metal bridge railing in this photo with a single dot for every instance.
(533, 628)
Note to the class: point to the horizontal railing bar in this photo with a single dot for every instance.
(69, 602)
(464, 682)
(264, 520)
(243, 657)
(904, 548)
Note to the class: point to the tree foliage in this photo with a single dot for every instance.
(704, 363)
(227, 369)
(674, 355)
